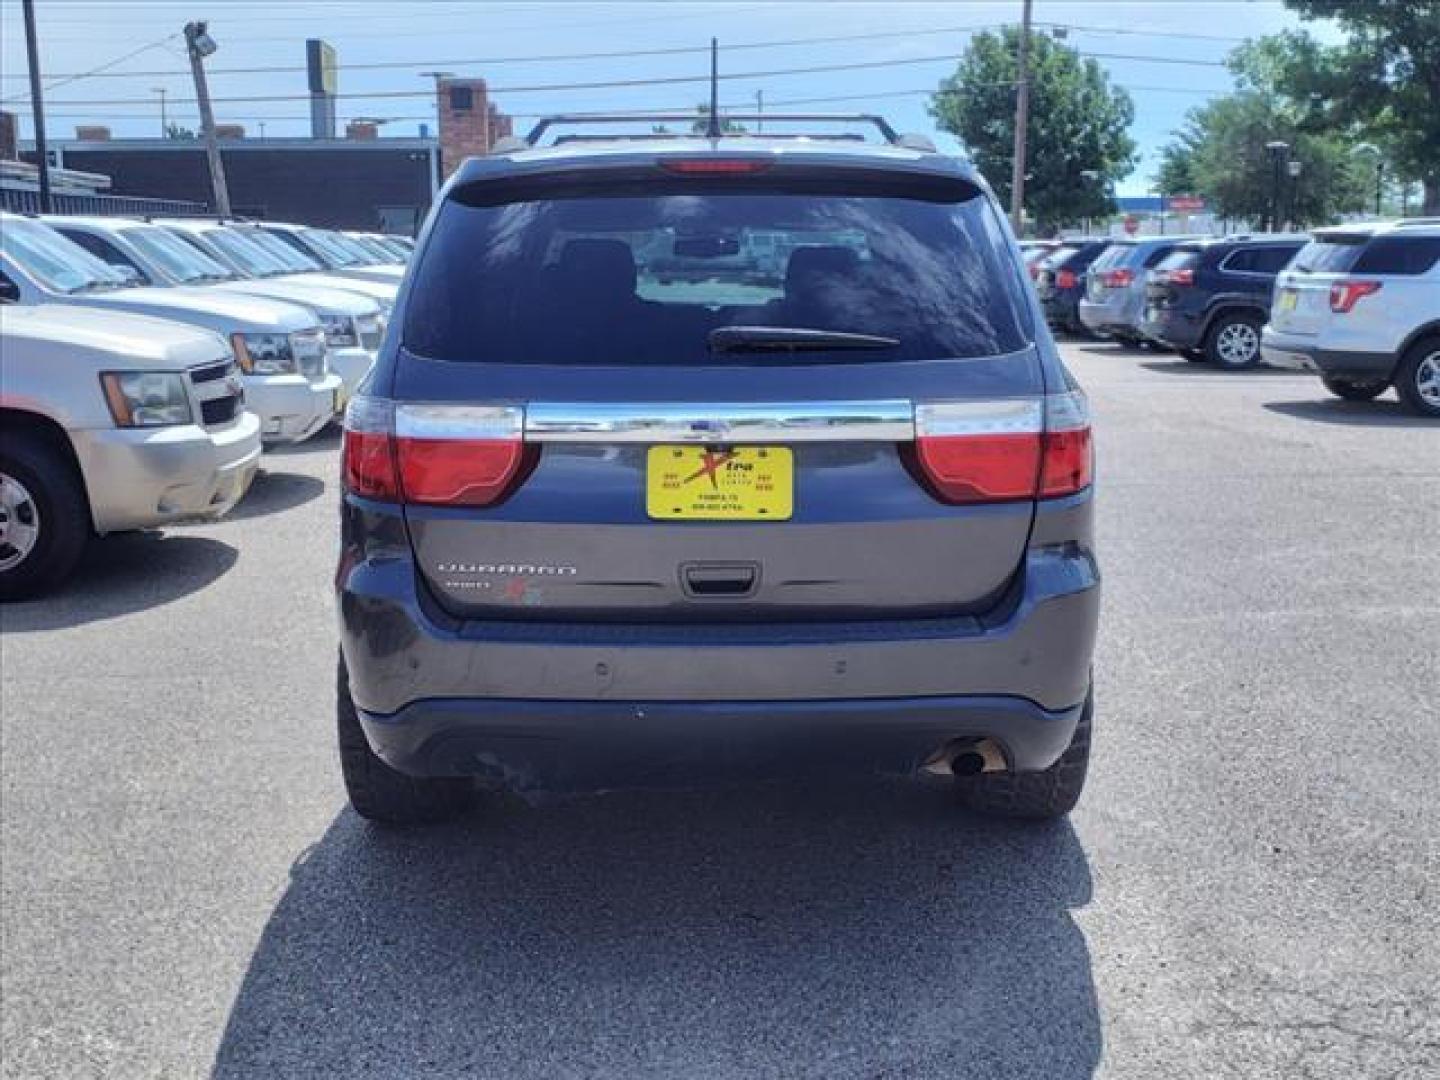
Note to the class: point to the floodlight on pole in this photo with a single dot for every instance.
(199, 44)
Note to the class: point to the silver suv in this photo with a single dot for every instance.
(1360, 305)
(832, 511)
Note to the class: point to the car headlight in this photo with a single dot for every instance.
(340, 332)
(264, 354)
(139, 399)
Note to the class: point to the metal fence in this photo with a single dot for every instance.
(27, 201)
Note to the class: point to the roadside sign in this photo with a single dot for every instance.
(1185, 202)
(1132, 224)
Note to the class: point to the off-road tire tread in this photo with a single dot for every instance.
(1034, 796)
(383, 794)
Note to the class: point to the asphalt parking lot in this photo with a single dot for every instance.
(1249, 888)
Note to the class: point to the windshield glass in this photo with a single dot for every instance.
(56, 263)
(1329, 255)
(245, 253)
(1115, 255)
(174, 257)
(648, 279)
(376, 250)
(327, 246)
(362, 255)
(291, 258)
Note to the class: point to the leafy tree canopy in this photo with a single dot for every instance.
(1078, 123)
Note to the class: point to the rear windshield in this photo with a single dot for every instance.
(644, 280)
(1179, 259)
(1329, 255)
(1117, 255)
(1403, 255)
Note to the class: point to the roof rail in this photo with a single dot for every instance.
(882, 125)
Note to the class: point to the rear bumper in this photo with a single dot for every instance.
(1114, 316)
(1303, 354)
(1062, 310)
(583, 745)
(440, 695)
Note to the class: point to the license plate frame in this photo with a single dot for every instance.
(719, 483)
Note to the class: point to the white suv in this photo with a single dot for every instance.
(1360, 305)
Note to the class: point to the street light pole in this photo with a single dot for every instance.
(199, 44)
(1379, 183)
(1277, 150)
(37, 106)
(164, 120)
(1022, 118)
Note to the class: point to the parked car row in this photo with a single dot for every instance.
(146, 363)
(1357, 304)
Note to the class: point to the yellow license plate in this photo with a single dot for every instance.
(708, 483)
(1288, 297)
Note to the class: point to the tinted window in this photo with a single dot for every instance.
(1056, 257)
(1399, 255)
(1113, 256)
(643, 279)
(1156, 255)
(103, 250)
(1329, 255)
(1259, 260)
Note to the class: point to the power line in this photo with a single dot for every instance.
(672, 80)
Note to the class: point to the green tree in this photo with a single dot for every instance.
(1223, 148)
(1078, 123)
(175, 131)
(1382, 84)
(1176, 175)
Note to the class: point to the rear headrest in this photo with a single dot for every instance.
(809, 264)
(604, 266)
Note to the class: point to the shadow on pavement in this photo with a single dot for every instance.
(1114, 349)
(274, 492)
(851, 932)
(1381, 413)
(122, 574)
(1181, 366)
(325, 441)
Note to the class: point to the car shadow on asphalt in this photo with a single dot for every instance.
(274, 492)
(122, 574)
(1380, 413)
(325, 441)
(1181, 366)
(810, 931)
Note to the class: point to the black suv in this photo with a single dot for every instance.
(1060, 282)
(1209, 298)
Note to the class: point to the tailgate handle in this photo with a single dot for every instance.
(707, 580)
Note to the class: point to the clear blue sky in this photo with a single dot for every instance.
(470, 38)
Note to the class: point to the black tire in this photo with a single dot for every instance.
(1416, 377)
(1195, 356)
(1036, 796)
(1351, 390)
(382, 794)
(47, 496)
(1226, 333)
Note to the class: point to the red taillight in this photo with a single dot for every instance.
(715, 166)
(1184, 276)
(1344, 295)
(368, 458)
(1001, 451)
(1066, 279)
(432, 455)
(1117, 279)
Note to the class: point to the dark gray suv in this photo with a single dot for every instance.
(822, 503)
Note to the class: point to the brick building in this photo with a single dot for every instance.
(470, 123)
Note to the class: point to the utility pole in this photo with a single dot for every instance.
(164, 120)
(1022, 119)
(760, 109)
(199, 44)
(37, 107)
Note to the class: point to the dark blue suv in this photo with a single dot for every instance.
(1060, 282)
(822, 501)
(1209, 299)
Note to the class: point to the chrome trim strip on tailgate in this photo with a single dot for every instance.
(783, 422)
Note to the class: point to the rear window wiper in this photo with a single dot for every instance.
(791, 339)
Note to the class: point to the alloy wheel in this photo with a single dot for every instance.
(1427, 379)
(1237, 344)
